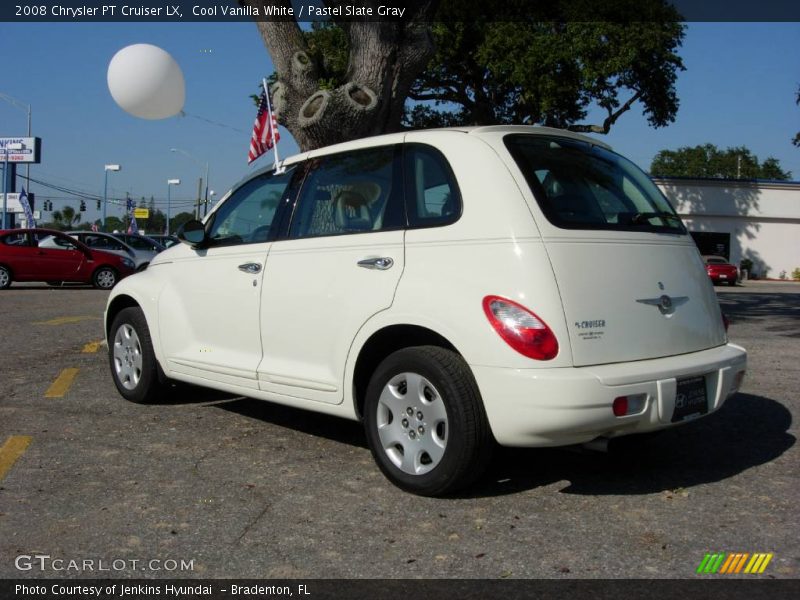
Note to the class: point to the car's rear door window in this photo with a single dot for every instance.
(351, 192)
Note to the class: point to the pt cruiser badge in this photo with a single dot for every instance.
(665, 304)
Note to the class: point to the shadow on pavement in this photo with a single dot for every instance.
(743, 306)
(307, 422)
(747, 431)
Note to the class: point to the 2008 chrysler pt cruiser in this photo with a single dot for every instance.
(449, 288)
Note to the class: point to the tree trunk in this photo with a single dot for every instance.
(385, 58)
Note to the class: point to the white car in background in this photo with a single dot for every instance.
(110, 243)
(448, 288)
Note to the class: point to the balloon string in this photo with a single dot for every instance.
(218, 124)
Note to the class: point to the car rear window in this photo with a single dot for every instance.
(579, 185)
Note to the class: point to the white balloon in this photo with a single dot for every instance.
(146, 82)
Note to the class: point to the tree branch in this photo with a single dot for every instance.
(609, 121)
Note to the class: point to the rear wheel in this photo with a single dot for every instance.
(5, 277)
(425, 421)
(133, 362)
(104, 278)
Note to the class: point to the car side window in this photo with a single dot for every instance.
(352, 192)
(432, 195)
(248, 216)
(15, 239)
(62, 243)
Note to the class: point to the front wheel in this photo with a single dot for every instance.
(104, 278)
(425, 421)
(133, 362)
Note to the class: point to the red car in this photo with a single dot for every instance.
(66, 260)
(720, 270)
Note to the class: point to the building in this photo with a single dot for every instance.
(741, 219)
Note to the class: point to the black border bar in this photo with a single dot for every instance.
(728, 588)
(32, 11)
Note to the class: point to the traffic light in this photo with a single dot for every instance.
(98, 204)
(83, 206)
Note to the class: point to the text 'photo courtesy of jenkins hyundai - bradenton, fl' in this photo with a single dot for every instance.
(452, 289)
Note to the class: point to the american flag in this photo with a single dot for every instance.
(133, 228)
(261, 140)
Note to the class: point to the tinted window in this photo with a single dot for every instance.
(247, 216)
(102, 242)
(582, 186)
(142, 243)
(432, 196)
(354, 192)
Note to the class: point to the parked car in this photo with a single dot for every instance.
(448, 288)
(24, 258)
(165, 240)
(108, 243)
(720, 270)
(140, 242)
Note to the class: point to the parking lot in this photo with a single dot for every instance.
(216, 486)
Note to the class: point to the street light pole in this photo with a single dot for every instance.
(200, 194)
(105, 191)
(170, 183)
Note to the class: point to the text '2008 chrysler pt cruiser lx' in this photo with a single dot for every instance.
(449, 288)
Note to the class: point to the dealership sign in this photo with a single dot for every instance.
(13, 204)
(20, 149)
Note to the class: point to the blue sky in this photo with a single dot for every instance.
(739, 89)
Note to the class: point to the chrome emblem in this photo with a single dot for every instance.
(666, 305)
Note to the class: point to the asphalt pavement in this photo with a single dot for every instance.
(214, 486)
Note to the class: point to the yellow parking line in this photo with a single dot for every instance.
(66, 320)
(62, 383)
(92, 347)
(14, 447)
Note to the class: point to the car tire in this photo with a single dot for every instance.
(134, 367)
(425, 421)
(104, 278)
(5, 277)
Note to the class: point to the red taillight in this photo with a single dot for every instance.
(620, 406)
(520, 328)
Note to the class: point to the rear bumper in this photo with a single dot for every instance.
(556, 407)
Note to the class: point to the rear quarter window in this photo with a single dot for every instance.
(432, 194)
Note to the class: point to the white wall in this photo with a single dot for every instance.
(763, 219)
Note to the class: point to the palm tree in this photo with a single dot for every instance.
(70, 216)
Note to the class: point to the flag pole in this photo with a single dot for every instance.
(278, 168)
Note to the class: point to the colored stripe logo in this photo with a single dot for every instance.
(734, 562)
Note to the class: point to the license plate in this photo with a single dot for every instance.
(690, 399)
(723, 276)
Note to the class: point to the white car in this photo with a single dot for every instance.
(449, 288)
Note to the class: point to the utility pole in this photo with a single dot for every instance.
(199, 198)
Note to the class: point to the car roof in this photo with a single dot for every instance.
(408, 136)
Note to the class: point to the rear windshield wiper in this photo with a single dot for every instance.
(642, 218)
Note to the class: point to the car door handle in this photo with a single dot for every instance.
(251, 268)
(381, 263)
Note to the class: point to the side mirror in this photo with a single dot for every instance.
(192, 233)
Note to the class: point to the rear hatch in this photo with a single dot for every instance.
(632, 283)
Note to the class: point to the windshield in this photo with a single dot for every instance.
(582, 186)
